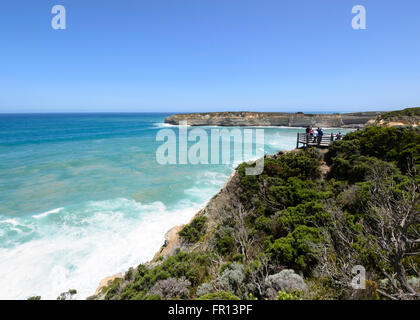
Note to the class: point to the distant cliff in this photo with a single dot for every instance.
(346, 120)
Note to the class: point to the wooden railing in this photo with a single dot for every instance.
(309, 141)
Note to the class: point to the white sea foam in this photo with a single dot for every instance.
(44, 214)
(166, 125)
(90, 243)
(13, 222)
(163, 125)
(13, 225)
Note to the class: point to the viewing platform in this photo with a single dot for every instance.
(306, 140)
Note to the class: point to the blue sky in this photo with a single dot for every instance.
(209, 55)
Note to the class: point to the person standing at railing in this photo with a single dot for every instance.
(307, 133)
(315, 135)
(320, 134)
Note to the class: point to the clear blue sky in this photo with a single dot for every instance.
(209, 55)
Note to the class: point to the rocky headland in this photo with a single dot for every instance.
(299, 119)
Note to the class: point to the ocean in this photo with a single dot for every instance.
(82, 197)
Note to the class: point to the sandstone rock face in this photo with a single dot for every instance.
(106, 282)
(347, 120)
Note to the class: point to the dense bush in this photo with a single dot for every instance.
(303, 164)
(171, 288)
(224, 242)
(67, 295)
(193, 267)
(231, 280)
(351, 157)
(286, 280)
(295, 191)
(295, 250)
(311, 213)
(193, 231)
(408, 112)
(282, 295)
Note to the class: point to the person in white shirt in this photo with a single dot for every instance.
(315, 135)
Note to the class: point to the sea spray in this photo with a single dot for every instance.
(79, 246)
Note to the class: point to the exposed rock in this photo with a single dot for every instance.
(413, 122)
(106, 282)
(214, 211)
(172, 242)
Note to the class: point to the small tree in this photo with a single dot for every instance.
(395, 228)
(284, 281)
(67, 295)
(390, 230)
(232, 280)
(171, 288)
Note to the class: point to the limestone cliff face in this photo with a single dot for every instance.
(347, 120)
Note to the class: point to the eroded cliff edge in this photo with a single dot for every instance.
(345, 120)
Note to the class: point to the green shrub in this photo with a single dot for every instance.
(112, 289)
(295, 191)
(67, 295)
(193, 266)
(303, 164)
(398, 145)
(224, 241)
(288, 296)
(129, 274)
(309, 214)
(408, 112)
(195, 230)
(295, 250)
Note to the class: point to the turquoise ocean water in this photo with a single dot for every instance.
(82, 197)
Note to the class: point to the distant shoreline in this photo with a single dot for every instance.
(274, 119)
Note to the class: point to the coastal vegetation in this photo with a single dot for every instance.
(296, 231)
(193, 231)
(408, 112)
